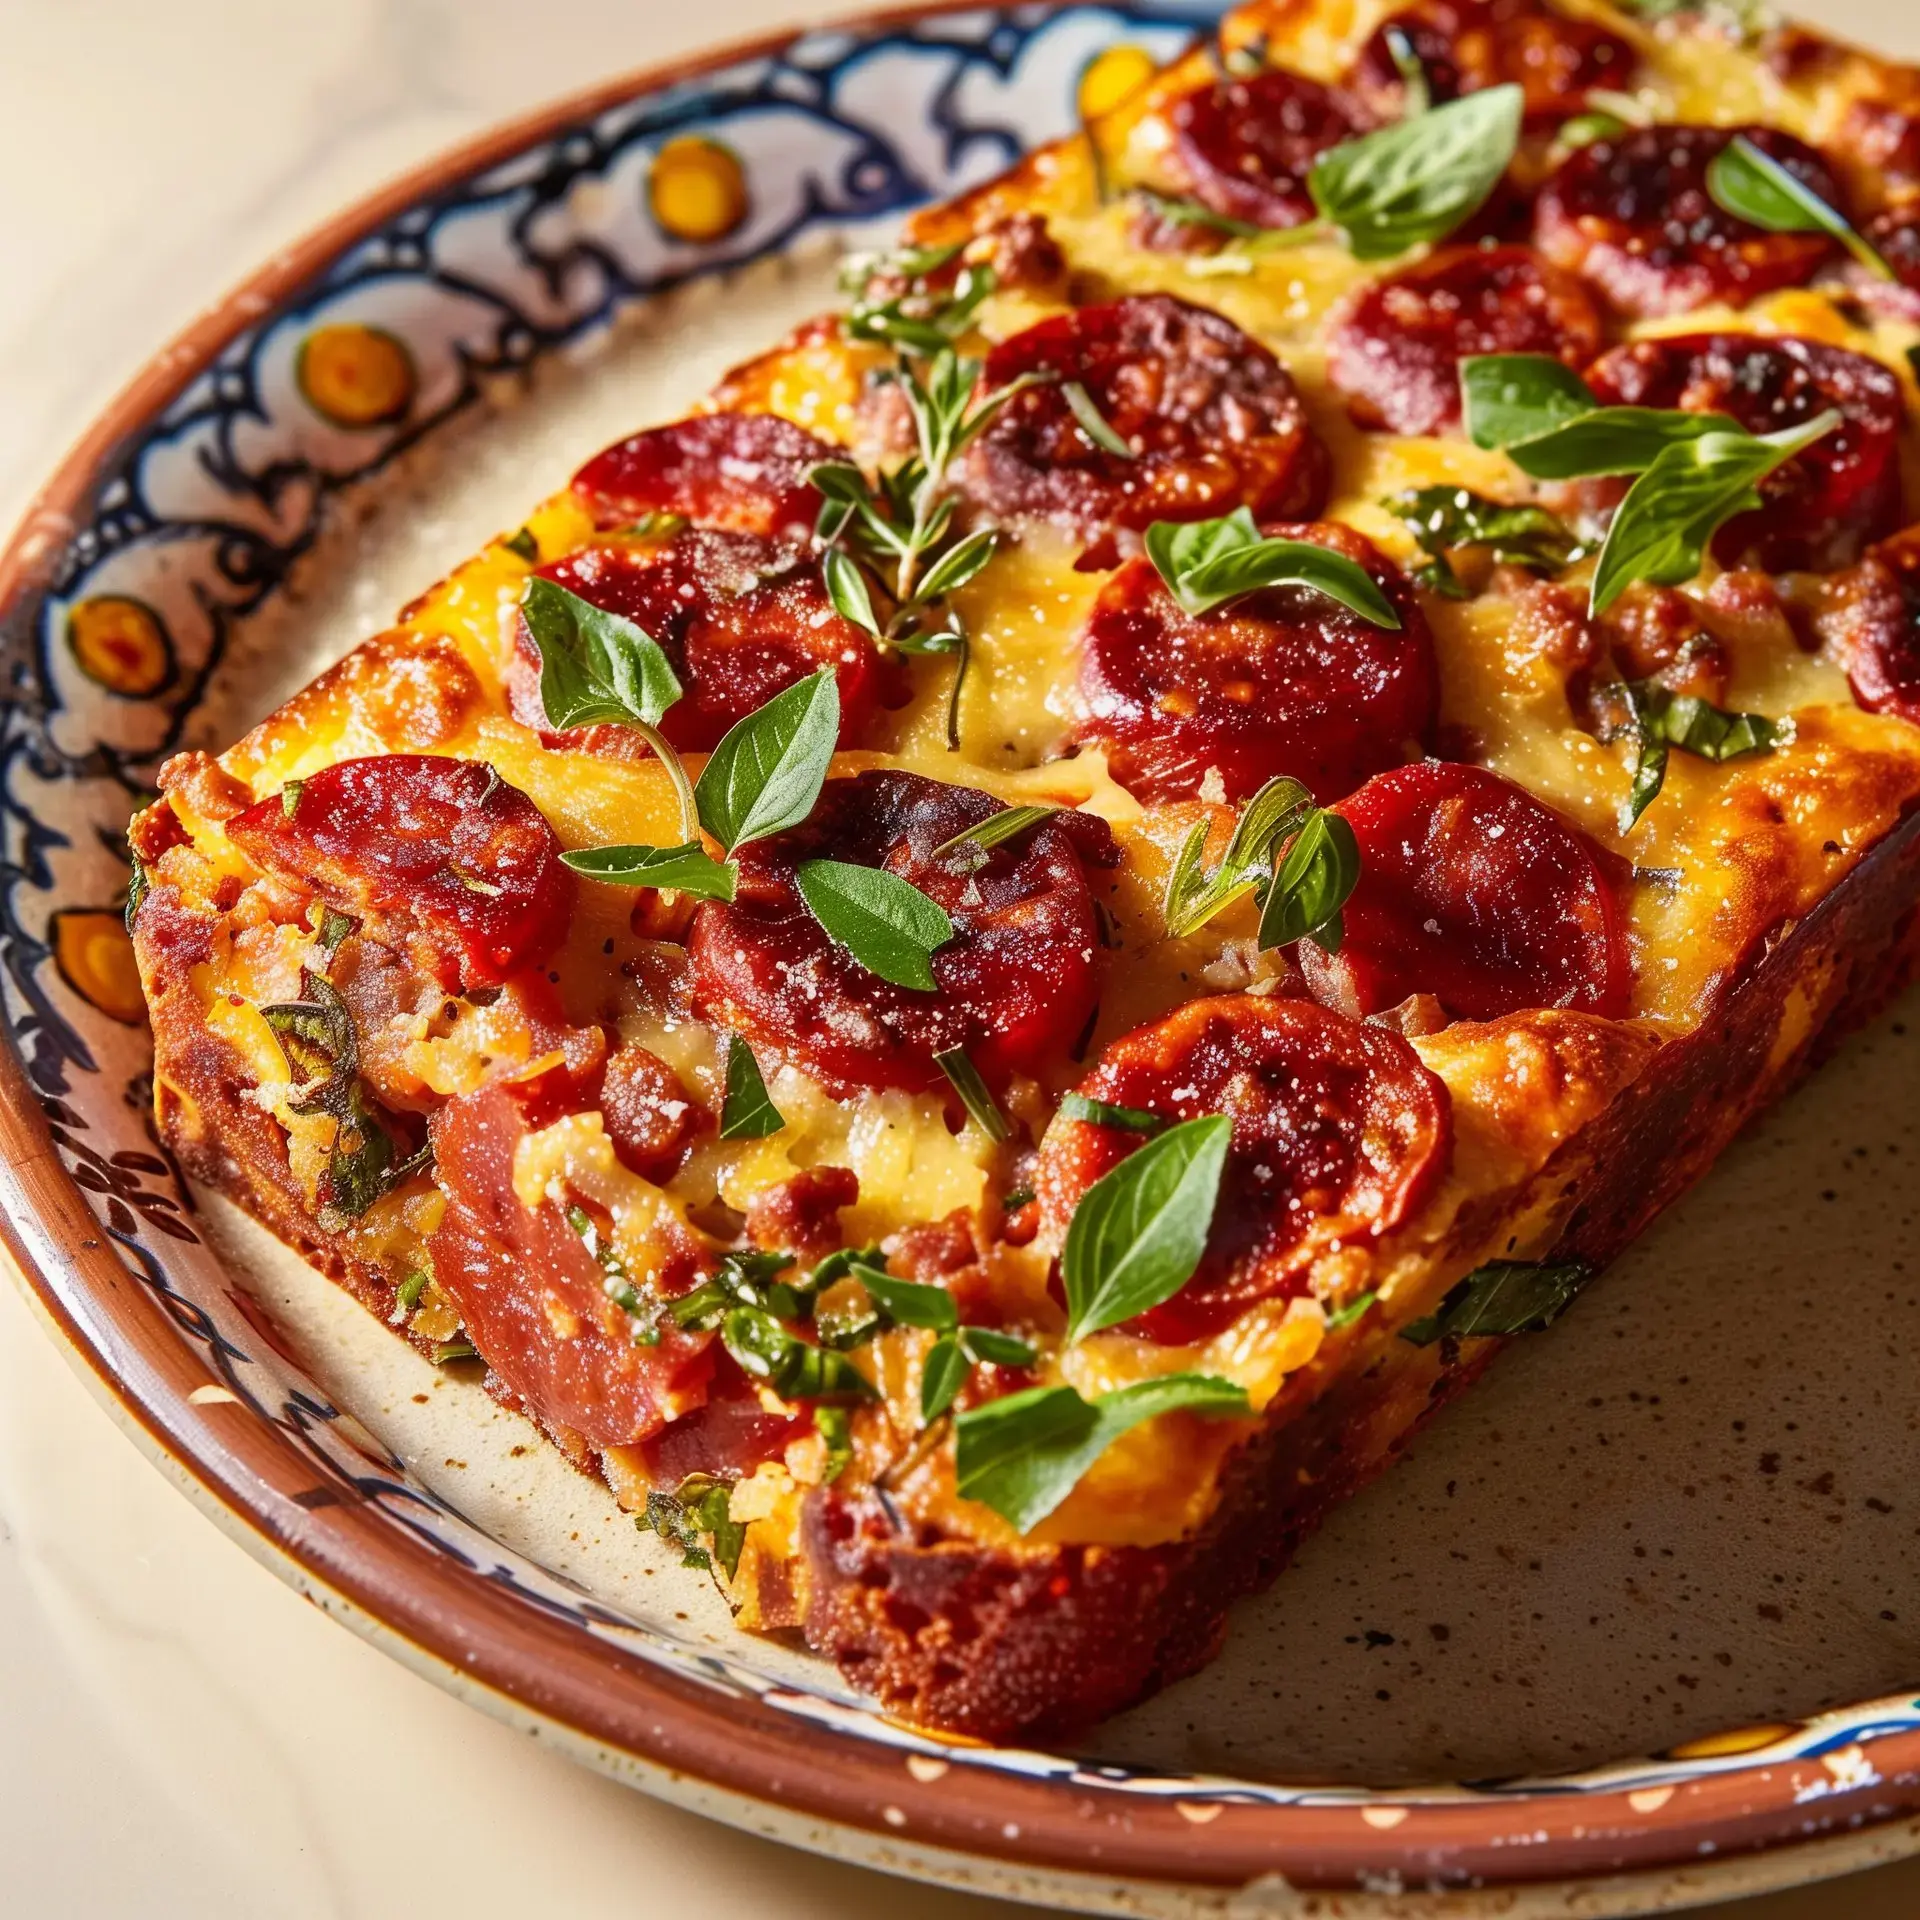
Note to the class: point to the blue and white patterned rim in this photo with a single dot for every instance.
(199, 520)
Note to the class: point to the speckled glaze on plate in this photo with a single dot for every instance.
(1689, 1509)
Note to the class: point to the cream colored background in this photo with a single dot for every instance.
(179, 1735)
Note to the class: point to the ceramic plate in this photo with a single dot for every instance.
(1690, 1509)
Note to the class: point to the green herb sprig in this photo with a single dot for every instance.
(1695, 470)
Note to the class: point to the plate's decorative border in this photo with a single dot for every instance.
(184, 513)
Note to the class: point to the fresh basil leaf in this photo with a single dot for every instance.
(1194, 896)
(1444, 518)
(975, 1095)
(996, 1349)
(1661, 718)
(1661, 530)
(767, 771)
(908, 1303)
(1023, 1454)
(1506, 1296)
(1752, 185)
(847, 589)
(594, 665)
(1206, 563)
(888, 925)
(1103, 1113)
(1347, 1315)
(1510, 397)
(688, 869)
(1312, 885)
(1613, 440)
(1091, 421)
(942, 1374)
(1421, 177)
(1139, 1231)
(996, 829)
(747, 1112)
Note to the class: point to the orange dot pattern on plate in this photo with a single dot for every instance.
(95, 958)
(1720, 1746)
(355, 376)
(121, 644)
(697, 189)
(1110, 77)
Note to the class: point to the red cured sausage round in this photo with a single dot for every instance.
(1246, 147)
(1283, 681)
(1472, 890)
(1339, 1133)
(1396, 351)
(1633, 216)
(534, 1301)
(1466, 45)
(1872, 620)
(1824, 505)
(1014, 987)
(740, 472)
(740, 618)
(1212, 417)
(436, 856)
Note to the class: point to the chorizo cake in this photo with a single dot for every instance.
(983, 971)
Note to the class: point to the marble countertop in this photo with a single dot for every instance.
(179, 1734)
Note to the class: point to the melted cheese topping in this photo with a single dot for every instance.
(1739, 848)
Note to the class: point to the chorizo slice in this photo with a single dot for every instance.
(1395, 352)
(1633, 216)
(1014, 987)
(1245, 147)
(740, 618)
(1466, 45)
(1339, 1133)
(1821, 509)
(1475, 892)
(534, 1300)
(438, 857)
(1211, 419)
(738, 472)
(1284, 681)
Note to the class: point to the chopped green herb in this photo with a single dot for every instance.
(290, 797)
(1194, 895)
(1352, 1311)
(523, 546)
(1444, 519)
(748, 1112)
(449, 1351)
(836, 1429)
(996, 829)
(975, 1095)
(696, 1517)
(1659, 718)
(1091, 421)
(1015, 1198)
(406, 1296)
(1103, 1113)
(1507, 1296)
